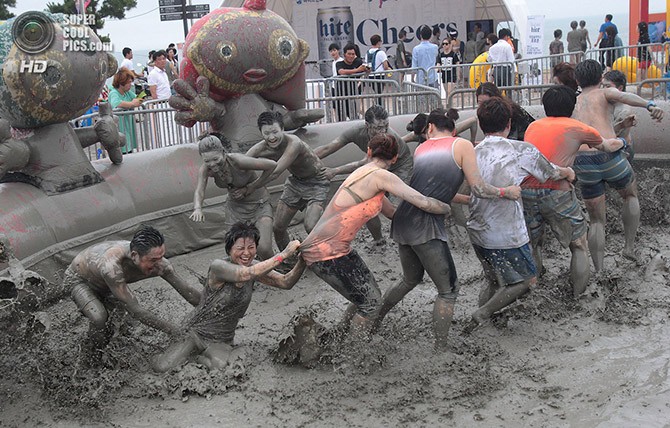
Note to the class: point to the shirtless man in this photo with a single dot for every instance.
(99, 276)
(595, 168)
(376, 122)
(307, 186)
(236, 172)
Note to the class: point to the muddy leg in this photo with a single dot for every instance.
(392, 297)
(264, 225)
(503, 297)
(175, 355)
(631, 218)
(283, 216)
(412, 272)
(596, 236)
(312, 215)
(375, 228)
(443, 313)
(580, 270)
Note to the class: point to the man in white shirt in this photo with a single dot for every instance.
(159, 85)
(334, 50)
(127, 62)
(500, 52)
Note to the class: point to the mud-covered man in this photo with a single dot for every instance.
(307, 186)
(594, 168)
(98, 278)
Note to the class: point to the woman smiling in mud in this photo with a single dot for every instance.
(210, 327)
(327, 249)
(236, 172)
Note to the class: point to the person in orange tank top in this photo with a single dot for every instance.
(327, 249)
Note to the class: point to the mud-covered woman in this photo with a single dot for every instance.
(210, 327)
(327, 249)
(236, 172)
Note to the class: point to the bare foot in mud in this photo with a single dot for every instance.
(476, 322)
(629, 254)
(379, 242)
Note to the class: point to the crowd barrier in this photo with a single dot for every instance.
(400, 91)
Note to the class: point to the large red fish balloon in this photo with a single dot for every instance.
(247, 50)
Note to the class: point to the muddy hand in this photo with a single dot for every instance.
(330, 173)
(197, 215)
(291, 248)
(656, 113)
(194, 104)
(107, 130)
(238, 193)
(512, 192)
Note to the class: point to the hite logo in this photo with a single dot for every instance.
(33, 66)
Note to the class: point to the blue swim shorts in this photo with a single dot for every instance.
(510, 265)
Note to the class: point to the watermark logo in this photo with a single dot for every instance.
(33, 66)
(35, 32)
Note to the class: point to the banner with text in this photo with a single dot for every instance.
(535, 31)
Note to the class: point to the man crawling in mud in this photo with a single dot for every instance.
(307, 186)
(98, 278)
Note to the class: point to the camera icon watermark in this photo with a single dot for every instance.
(35, 32)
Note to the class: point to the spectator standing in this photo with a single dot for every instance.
(470, 52)
(334, 50)
(423, 56)
(575, 40)
(602, 35)
(502, 57)
(158, 81)
(480, 39)
(172, 65)
(643, 55)
(122, 96)
(435, 39)
(378, 62)
(556, 47)
(448, 57)
(586, 43)
(401, 52)
(350, 66)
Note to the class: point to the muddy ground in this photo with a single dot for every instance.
(548, 360)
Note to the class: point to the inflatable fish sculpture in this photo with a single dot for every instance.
(234, 52)
(247, 50)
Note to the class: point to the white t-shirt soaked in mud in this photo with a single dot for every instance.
(499, 223)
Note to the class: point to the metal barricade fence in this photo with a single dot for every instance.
(147, 127)
(660, 88)
(524, 95)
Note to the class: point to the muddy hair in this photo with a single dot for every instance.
(616, 77)
(444, 120)
(418, 124)
(269, 118)
(376, 112)
(240, 230)
(383, 146)
(588, 73)
(559, 101)
(565, 73)
(145, 239)
(488, 88)
(210, 143)
(494, 115)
